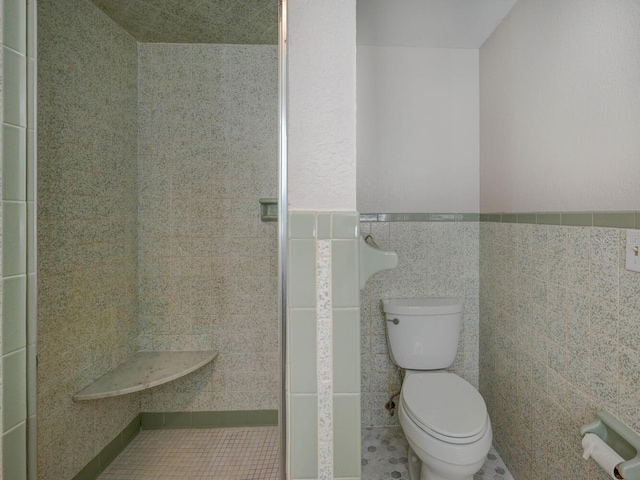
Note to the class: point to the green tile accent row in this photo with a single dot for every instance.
(577, 219)
(100, 462)
(419, 217)
(616, 219)
(235, 418)
(549, 218)
(527, 218)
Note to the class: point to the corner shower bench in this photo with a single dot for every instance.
(145, 370)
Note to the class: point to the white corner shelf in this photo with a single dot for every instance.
(145, 370)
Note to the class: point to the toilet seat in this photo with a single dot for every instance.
(445, 406)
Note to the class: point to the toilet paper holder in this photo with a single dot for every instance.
(620, 438)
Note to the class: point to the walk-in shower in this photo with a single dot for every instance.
(158, 134)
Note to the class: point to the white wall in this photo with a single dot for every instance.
(560, 108)
(322, 104)
(429, 23)
(417, 130)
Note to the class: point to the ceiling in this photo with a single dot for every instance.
(429, 23)
(196, 21)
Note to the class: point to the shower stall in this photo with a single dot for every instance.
(157, 137)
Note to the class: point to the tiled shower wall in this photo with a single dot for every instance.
(207, 263)
(87, 239)
(434, 259)
(559, 340)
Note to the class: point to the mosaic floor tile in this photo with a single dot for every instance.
(206, 454)
(384, 457)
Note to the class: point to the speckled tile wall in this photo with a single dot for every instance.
(434, 259)
(87, 239)
(207, 263)
(213, 21)
(558, 340)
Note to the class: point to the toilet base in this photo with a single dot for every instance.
(427, 474)
(414, 464)
(420, 471)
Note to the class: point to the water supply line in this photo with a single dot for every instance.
(391, 405)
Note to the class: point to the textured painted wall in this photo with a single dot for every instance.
(87, 239)
(417, 130)
(434, 259)
(322, 104)
(208, 264)
(560, 108)
(558, 341)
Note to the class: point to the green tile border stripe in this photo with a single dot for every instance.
(616, 219)
(613, 219)
(100, 462)
(419, 217)
(221, 419)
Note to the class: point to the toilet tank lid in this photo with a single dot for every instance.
(422, 306)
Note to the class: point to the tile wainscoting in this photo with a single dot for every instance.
(437, 256)
(559, 323)
(323, 338)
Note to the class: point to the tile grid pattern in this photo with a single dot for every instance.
(419, 217)
(434, 259)
(87, 240)
(559, 341)
(325, 354)
(207, 263)
(213, 21)
(324, 368)
(385, 457)
(210, 454)
(17, 332)
(608, 219)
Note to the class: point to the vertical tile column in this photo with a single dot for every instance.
(15, 123)
(323, 346)
(32, 300)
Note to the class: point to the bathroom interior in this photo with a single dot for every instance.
(157, 136)
(494, 149)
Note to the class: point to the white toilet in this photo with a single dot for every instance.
(443, 416)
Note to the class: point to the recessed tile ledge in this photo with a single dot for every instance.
(143, 371)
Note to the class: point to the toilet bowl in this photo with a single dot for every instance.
(448, 431)
(443, 416)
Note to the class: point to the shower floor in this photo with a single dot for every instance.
(205, 454)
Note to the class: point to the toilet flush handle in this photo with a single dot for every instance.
(395, 321)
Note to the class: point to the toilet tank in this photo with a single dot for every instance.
(423, 333)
